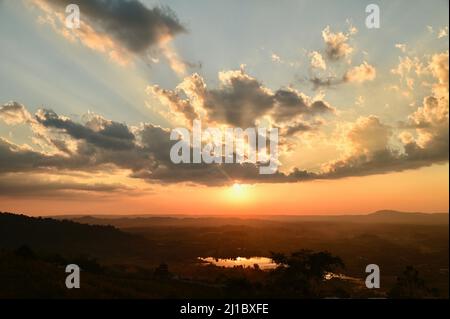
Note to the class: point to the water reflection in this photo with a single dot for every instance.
(263, 263)
(331, 275)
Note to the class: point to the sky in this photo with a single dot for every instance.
(86, 114)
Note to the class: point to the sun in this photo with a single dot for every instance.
(238, 189)
(238, 194)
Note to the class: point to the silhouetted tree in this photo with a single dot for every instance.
(410, 286)
(301, 273)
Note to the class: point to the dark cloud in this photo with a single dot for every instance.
(146, 155)
(388, 160)
(328, 82)
(219, 174)
(112, 136)
(289, 104)
(374, 155)
(300, 127)
(129, 22)
(103, 145)
(16, 159)
(35, 186)
(239, 101)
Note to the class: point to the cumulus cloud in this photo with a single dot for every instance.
(105, 145)
(357, 74)
(338, 49)
(97, 144)
(317, 61)
(443, 32)
(368, 135)
(407, 65)
(439, 68)
(337, 46)
(176, 104)
(424, 139)
(361, 73)
(143, 151)
(239, 101)
(431, 119)
(13, 113)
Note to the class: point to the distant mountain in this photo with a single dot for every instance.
(387, 212)
(69, 238)
(382, 216)
(392, 216)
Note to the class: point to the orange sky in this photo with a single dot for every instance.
(424, 190)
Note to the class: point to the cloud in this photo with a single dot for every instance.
(299, 127)
(368, 135)
(361, 73)
(120, 29)
(19, 184)
(407, 65)
(424, 139)
(290, 103)
(13, 113)
(217, 175)
(101, 145)
(239, 101)
(275, 58)
(175, 103)
(357, 74)
(317, 61)
(337, 46)
(178, 65)
(379, 159)
(328, 82)
(443, 32)
(401, 47)
(109, 135)
(16, 158)
(431, 119)
(439, 68)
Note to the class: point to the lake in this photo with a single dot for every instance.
(264, 263)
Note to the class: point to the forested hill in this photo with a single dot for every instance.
(68, 237)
